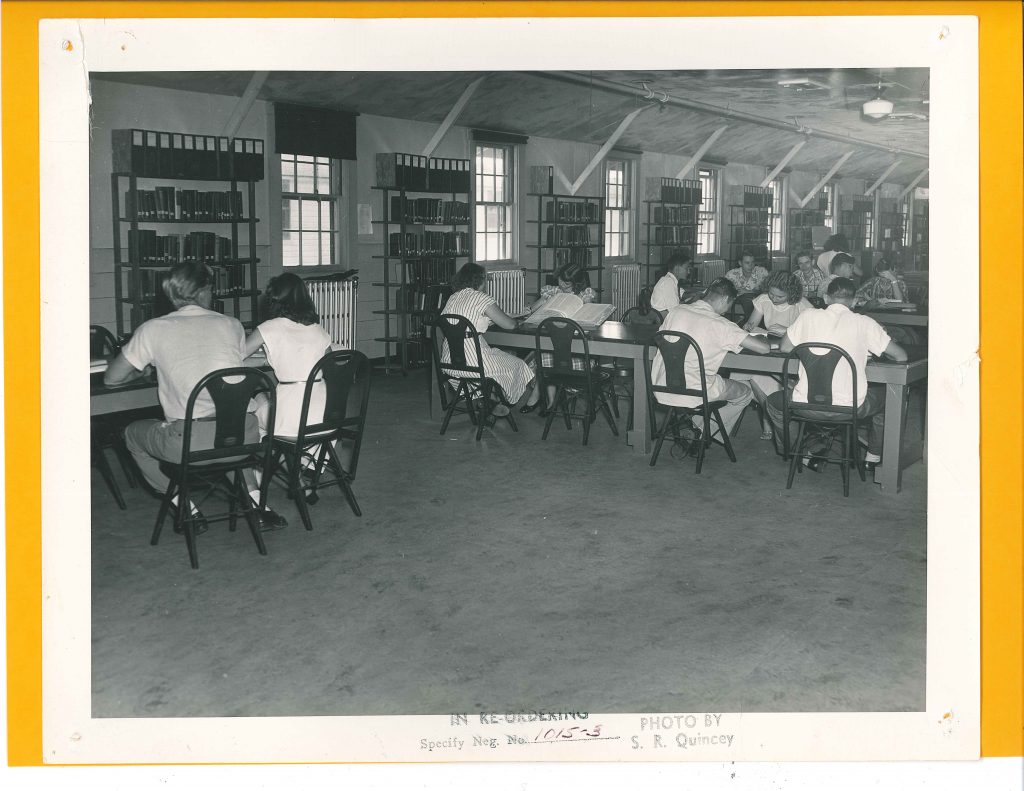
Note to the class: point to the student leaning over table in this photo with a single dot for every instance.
(715, 335)
(858, 336)
(183, 346)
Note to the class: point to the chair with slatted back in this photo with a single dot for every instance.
(464, 386)
(819, 418)
(674, 348)
(573, 375)
(219, 468)
(310, 460)
(105, 431)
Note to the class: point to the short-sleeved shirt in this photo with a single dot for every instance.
(857, 335)
(814, 283)
(715, 335)
(665, 294)
(881, 287)
(824, 262)
(748, 284)
(292, 351)
(184, 346)
(471, 304)
(783, 315)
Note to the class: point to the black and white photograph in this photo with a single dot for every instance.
(518, 397)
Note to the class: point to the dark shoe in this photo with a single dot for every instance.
(200, 525)
(271, 520)
(526, 409)
(814, 465)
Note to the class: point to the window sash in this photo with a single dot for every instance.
(310, 193)
(618, 219)
(494, 201)
(707, 216)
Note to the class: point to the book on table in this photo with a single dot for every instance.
(589, 315)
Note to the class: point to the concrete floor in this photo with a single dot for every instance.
(513, 574)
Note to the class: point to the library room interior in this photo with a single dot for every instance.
(427, 392)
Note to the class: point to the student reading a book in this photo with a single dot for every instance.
(183, 346)
(779, 308)
(569, 279)
(294, 342)
(470, 300)
(716, 336)
(886, 284)
(666, 291)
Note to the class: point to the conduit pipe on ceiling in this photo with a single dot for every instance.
(611, 86)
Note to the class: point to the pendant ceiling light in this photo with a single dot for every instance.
(877, 107)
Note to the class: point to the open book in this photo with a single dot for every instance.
(569, 306)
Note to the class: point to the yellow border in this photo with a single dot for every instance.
(1002, 250)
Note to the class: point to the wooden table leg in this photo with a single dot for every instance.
(889, 473)
(640, 436)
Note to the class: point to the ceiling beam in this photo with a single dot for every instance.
(701, 152)
(452, 116)
(883, 177)
(913, 183)
(622, 127)
(825, 178)
(591, 81)
(244, 103)
(785, 161)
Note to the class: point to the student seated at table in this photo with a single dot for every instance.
(811, 278)
(858, 336)
(666, 291)
(569, 279)
(716, 336)
(778, 308)
(886, 284)
(749, 281)
(183, 346)
(470, 300)
(841, 266)
(834, 245)
(294, 342)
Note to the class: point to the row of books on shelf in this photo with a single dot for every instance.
(168, 203)
(750, 197)
(175, 155)
(563, 210)
(576, 256)
(675, 215)
(542, 179)
(431, 211)
(568, 235)
(752, 216)
(424, 272)
(806, 217)
(148, 248)
(861, 204)
(227, 280)
(674, 234)
(423, 298)
(741, 234)
(669, 190)
(429, 243)
(851, 217)
(422, 174)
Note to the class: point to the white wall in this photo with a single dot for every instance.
(118, 105)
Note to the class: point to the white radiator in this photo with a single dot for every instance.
(335, 302)
(508, 287)
(625, 288)
(711, 270)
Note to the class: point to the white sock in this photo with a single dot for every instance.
(254, 495)
(174, 501)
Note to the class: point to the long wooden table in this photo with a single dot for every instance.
(614, 339)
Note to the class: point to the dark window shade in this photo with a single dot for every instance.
(505, 138)
(314, 131)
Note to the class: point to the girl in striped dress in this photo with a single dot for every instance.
(470, 301)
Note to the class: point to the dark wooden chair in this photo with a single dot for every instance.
(310, 459)
(220, 468)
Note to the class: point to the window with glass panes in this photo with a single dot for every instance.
(778, 186)
(494, 202)
(618, 215)
(310, 188)
(707, 218)
(869, 226)
(905, 217)
(829, 191)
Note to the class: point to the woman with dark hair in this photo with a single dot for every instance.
(568, 279)
(885, 285)
(470, 300)
(779, 306)
(294, 343)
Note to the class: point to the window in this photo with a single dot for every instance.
(310, 191)
(707, 219)
(618, 215)
(494, 202)
(905, 215)
(869, 225)
(829, 191)
(778, 186)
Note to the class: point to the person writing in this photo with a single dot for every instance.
(666, 291)
(885, 284)
(183, 347)
(857, 335)
(716, 336)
